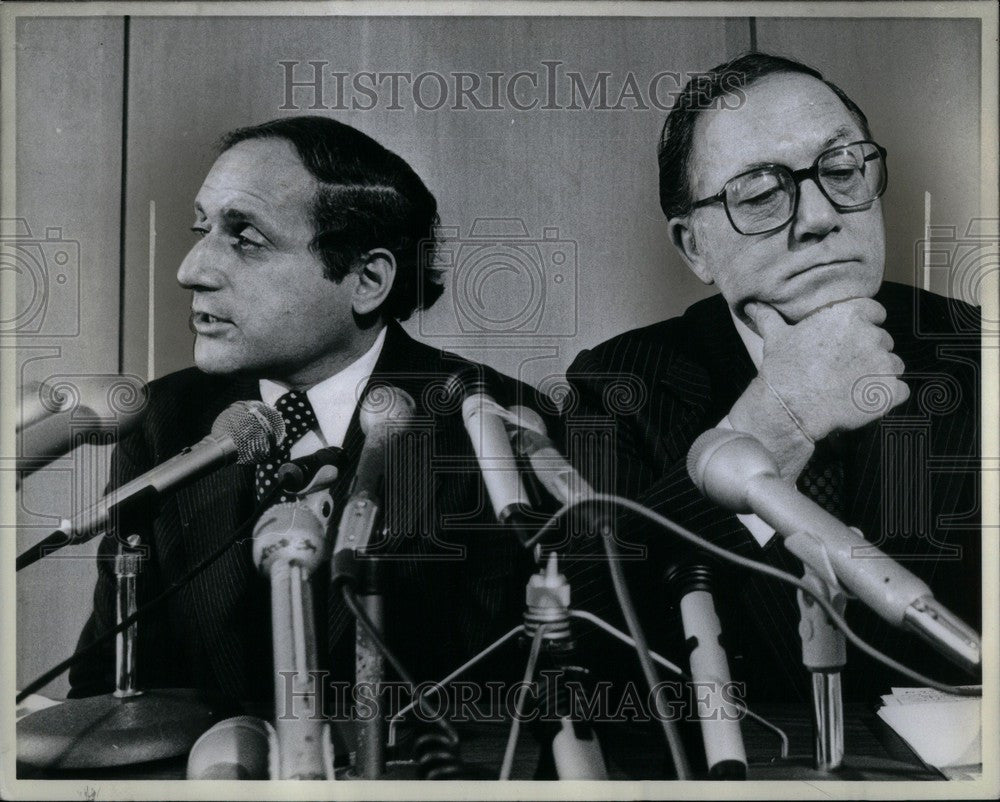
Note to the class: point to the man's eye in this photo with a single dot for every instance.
(841, 175)
(199, 231)
(248, 240)
(760, 198)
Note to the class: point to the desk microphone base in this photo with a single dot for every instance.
(103, 731)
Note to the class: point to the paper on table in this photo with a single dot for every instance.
(941, 733)
(909, 696)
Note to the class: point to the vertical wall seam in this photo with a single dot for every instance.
(122, 186)
(753, 34)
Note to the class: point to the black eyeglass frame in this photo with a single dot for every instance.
(798, 176)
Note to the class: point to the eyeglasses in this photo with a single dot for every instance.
(764, 199)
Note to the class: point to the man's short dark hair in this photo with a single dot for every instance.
(368, 198)
(704, 91)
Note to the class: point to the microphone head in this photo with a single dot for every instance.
(254, 427)
(383, 403)
(525, 418)
(236, 748)
(721, 461)
(465, 381)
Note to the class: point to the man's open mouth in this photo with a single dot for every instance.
(204, 321)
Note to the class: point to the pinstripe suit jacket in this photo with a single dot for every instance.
(911, 479)
(453, 581)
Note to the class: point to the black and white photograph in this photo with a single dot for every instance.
(509, 400)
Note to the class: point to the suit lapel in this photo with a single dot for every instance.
(209, 511)
(403, 363)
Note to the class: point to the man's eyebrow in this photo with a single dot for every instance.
(235, 217)
(844, 132)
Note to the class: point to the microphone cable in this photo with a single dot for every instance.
(753, 565)
(351, 599)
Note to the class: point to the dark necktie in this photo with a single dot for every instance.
(822, 480)
(299, 418)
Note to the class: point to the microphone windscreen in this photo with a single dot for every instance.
(236, 748)
(254, 427)
(722, 463)
(382, 403)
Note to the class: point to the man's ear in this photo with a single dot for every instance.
(683, 238)
(376, 274)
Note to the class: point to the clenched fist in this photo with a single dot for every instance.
(834, 370)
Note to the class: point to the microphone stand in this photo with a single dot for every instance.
(129, 725)
(128, 564)
(573, 745)
(369, 667)
(547, 616)
(824, 654)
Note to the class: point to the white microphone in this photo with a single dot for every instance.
(553, 470)
(245, 432)
(734, 470)
(383, 409)
(488, 437)
(718, 716)
(289, 544)
(238, 748)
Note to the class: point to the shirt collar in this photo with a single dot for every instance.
(754, 343)
(334, 399)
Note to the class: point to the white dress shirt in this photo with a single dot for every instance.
(333, 400)
(754, 343)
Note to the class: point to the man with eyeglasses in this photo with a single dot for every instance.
(776, 200)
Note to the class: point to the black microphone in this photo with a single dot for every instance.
(725, 754)
(57, 416)
(296, 474)
(245, 432)
(488, 436)
(734, 470)
(383, 409)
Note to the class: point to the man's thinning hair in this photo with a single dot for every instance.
(705, 91)
(368, 198)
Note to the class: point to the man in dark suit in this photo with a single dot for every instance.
(314, 241)
(865, 391)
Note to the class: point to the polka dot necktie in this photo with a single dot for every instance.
(299, 418)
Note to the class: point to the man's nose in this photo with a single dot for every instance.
(815, 216)
(199, 270)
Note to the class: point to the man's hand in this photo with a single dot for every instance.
(832, 371)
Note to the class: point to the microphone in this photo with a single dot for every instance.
(383, 409)
(289, 544)
(238, 748)
(245, 432)
(56, 416)
(493, 452)
(719, 718)
(553, 470)
(734, 470)
(294, 475)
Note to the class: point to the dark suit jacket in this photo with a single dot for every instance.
(912, 480)
(453, 580)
